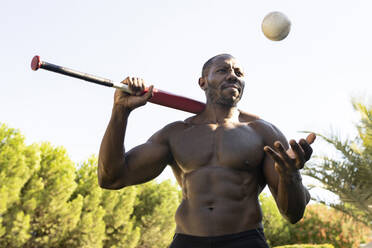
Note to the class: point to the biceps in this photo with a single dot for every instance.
(271, 175)
(145, 162)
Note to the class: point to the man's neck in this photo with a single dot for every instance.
(218, 113)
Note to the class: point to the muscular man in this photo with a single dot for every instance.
(219, 158)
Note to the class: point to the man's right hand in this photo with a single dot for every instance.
(136, 99)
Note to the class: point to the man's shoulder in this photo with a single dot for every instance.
(253, 120)
(173, 127)
(260, 125)
(247, 117)
(163, 135)
(268, 131)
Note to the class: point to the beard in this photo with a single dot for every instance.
(215, 95)
(228, 102)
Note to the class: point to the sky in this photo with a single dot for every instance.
(304, 82)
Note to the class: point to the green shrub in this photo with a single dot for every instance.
(306, 246)
(320, 225)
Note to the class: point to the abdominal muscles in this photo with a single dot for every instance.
(218, 201)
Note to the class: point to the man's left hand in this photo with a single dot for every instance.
(288, 163)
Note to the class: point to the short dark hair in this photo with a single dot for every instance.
(210, 61)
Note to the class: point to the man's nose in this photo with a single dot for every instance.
(232, 76)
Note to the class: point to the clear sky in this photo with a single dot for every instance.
(304, 82)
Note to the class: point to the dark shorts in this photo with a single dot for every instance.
(250, 239)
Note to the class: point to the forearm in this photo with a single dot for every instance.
(112, 152)
(292, 197)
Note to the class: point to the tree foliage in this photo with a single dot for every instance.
(36, 183)
(17, 163)
(48, 201)
(348, 174)
(306, 246)
(320, 225)
(154, 212)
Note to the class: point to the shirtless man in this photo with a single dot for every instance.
(222, 158)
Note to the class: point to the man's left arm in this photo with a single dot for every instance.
(281, 168)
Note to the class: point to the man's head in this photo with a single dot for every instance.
(222, 80)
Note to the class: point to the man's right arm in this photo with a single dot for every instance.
(116, 168)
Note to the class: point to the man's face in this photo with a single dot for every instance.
(225, 81)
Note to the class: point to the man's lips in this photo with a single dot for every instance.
(229, 85)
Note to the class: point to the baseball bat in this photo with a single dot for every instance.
(159, 97)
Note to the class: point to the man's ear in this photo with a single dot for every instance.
(203, 83)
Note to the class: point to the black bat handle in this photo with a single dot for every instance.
(36, 63)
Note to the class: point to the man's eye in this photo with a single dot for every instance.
(239, 73)
(221, 70)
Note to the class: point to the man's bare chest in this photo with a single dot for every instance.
(235, 146)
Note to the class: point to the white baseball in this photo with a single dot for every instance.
(276, 26)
